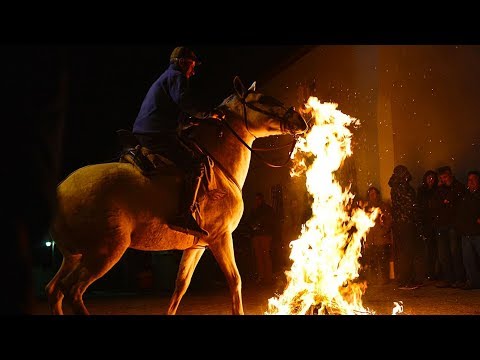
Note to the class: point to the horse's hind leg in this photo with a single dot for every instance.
(53, 288)
(186, 268)
(91, 268)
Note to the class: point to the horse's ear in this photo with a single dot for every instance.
(253, 87)
(239, 87)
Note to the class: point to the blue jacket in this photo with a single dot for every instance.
(167, 104)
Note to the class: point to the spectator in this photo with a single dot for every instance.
(261, 221)
(446, 199)
(378, 244)
(404, 228)
(468, 222)
(425, 196)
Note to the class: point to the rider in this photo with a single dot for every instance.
(168, 109)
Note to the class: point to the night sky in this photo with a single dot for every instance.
(107, 85)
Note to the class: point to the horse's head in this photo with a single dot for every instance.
(264, 115)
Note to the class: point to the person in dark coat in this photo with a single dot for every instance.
(468, 225)
(446, 200)
(425, 197)
(404, 227)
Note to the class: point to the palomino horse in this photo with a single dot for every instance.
(104, 209)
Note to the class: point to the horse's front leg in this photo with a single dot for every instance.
(224, 254)
(186, 268)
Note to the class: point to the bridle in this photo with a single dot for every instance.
(283, 121)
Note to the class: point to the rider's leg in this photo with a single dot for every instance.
(170, 146)
(184, 221)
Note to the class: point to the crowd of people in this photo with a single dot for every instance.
(428, 234)
(434, 231)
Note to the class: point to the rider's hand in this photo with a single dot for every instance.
(217, 115)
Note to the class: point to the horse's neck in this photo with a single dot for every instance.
(235, 156)
(226, 149)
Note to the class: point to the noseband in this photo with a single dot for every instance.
(283, 122)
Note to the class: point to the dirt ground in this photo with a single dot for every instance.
(427, 300)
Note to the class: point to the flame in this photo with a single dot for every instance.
(398, 308)
(325, 256)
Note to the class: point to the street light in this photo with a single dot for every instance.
(51, 244)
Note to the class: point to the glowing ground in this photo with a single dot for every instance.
(427, 300)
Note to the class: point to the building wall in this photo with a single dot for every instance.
(434, 99)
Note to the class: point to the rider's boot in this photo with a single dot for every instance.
(184, 221)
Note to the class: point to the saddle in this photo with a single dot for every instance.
(143, 159)
(150, 164)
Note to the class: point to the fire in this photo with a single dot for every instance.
(325, 256)
(398, 308)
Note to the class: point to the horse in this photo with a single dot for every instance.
(104, 209)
